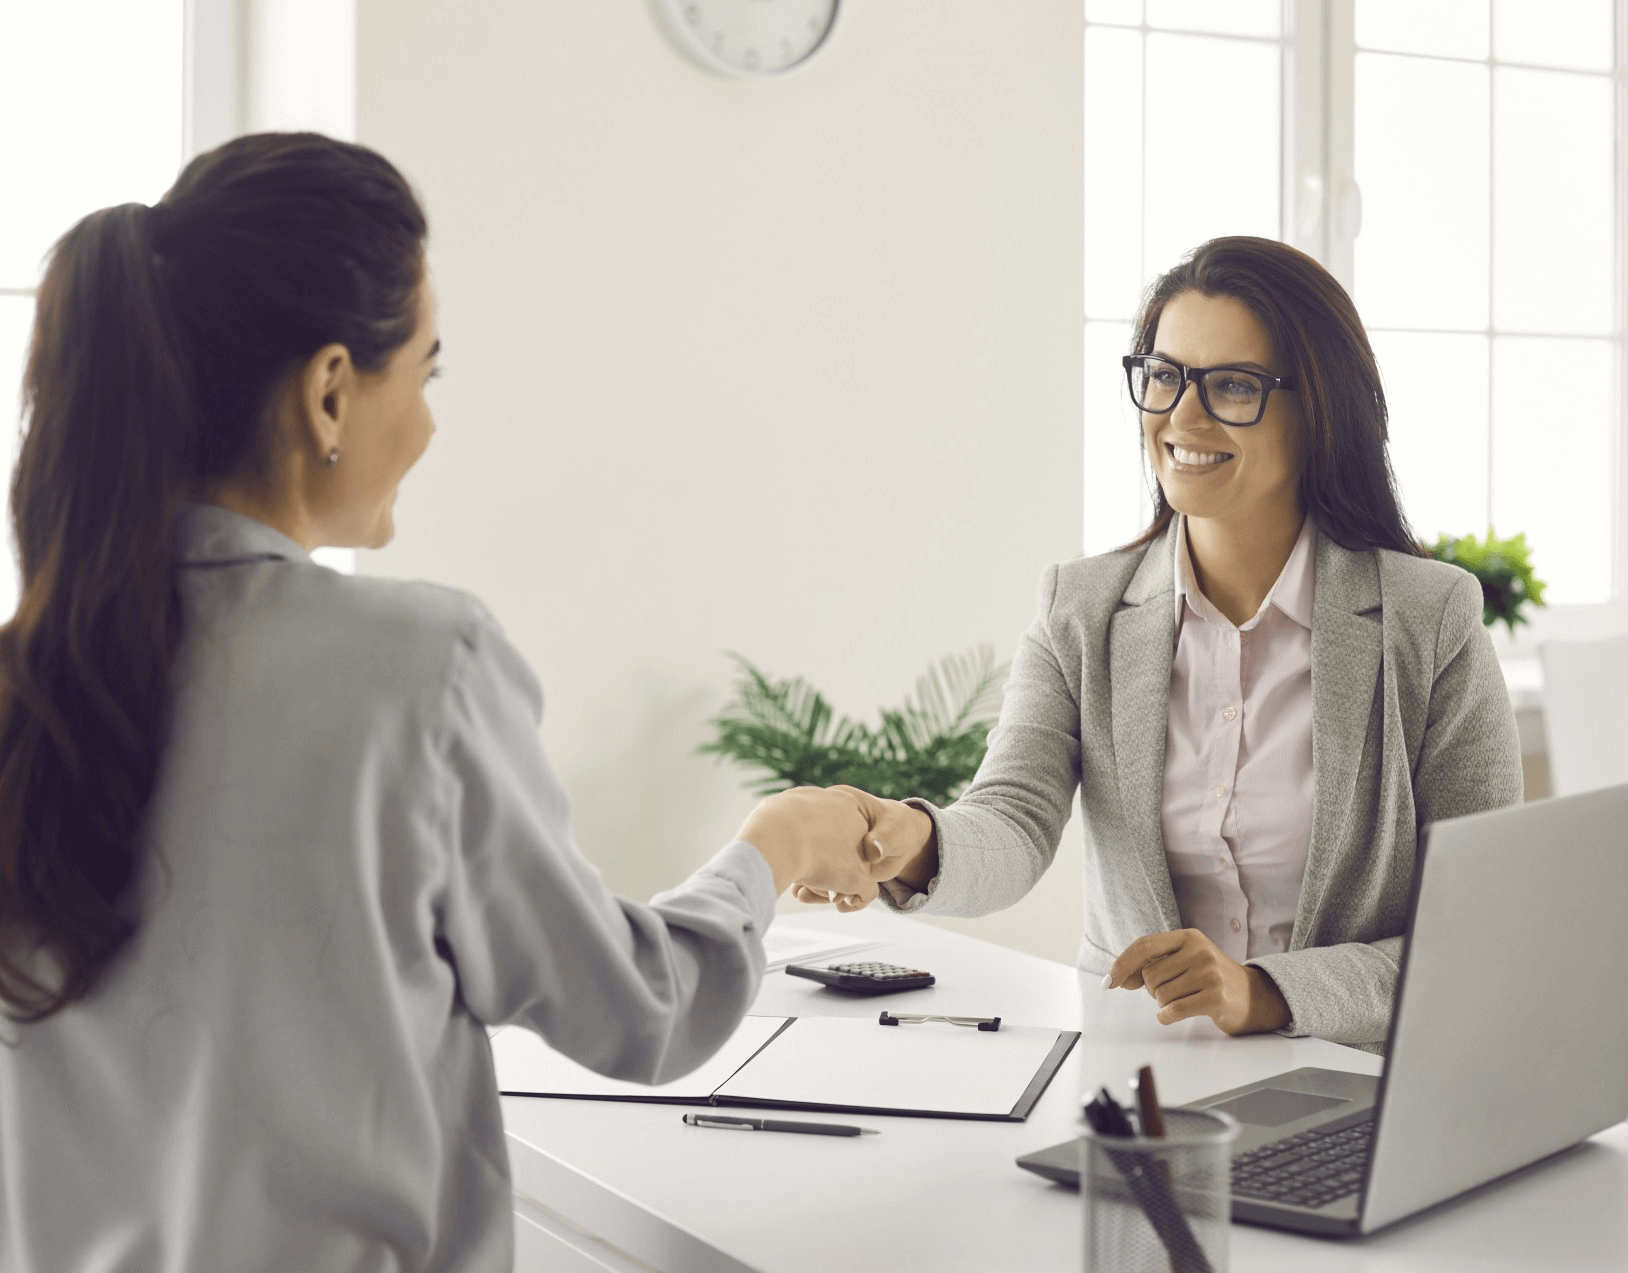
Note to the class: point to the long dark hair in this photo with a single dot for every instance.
(1346, 483)
(160, 338)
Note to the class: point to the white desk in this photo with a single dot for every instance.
(602, 1186)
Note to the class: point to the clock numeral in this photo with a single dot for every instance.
(692, 15)
(751, 59)
(787, 54)
(718, 42)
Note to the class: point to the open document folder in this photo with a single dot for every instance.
(849, 1064)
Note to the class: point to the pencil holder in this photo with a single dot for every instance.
(1162, 1205)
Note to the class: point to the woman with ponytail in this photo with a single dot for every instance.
(276, 845)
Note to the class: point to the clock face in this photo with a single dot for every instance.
(751, 37)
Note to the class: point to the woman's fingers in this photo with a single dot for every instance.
(898, 836)
(819, 897)
(1188, 975)
(1168, 985)
(1127, 971)
(897, 833)
(854, 840)
(1206, 1003)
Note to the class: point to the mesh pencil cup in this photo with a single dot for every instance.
(1163, 1205)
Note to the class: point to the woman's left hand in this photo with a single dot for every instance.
(1190, 976)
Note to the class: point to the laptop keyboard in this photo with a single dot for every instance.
(1312, 1169)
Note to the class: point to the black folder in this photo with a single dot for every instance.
(836, 1064)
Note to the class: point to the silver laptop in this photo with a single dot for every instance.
(1507, 1042)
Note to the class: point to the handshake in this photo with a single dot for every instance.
(837, 844)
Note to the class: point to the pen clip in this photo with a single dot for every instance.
(721, 1123)
(987, 1024)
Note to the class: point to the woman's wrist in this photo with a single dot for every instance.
(769, 830)
(1268, 1009)
(922, 867)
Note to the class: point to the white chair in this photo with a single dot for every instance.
(1585, 713)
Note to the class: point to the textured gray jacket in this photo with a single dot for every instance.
(359, 858)
(1411, 723)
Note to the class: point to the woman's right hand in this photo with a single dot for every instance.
(813, 834)
(901, 842)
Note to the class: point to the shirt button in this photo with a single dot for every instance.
(1236, 926)
(1230, 712)
(1220, 791)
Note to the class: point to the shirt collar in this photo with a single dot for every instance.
(207, 534)
(1292, 593)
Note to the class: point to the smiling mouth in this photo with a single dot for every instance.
(1196, 459)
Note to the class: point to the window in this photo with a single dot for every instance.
(1455, 164)
(1183, 119)
(116, 94)
(104, 126)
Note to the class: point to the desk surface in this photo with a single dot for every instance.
(634, 1188)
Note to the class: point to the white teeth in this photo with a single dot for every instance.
(1184, 456)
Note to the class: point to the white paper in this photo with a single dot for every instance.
(788, 944)
(528, 1066)
(929, 1066)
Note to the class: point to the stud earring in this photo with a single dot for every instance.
(333, 457)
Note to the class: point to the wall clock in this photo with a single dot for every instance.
(754, 38)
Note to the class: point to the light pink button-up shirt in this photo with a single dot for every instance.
(1237, 772)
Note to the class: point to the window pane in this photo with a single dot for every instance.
(1213, 157)
(1117, 505)
(98, 83)
(1126, 11)
(1436, 390)
(1443, 28)
(1553, 459)
(1113, 172)
(1422, 165)
(16, 322)
(1553, 257)
(1570, 33)
(1233, 17)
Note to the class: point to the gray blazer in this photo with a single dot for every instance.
(360, 858)
(1411, 723)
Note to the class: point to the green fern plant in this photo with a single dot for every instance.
(931, 746)
(1502, 567)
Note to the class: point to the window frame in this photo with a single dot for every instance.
(1329, 29)
(223, 63)
(1321, 215)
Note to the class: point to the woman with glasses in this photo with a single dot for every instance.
(1262, 700)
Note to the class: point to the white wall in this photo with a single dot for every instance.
(789, 368)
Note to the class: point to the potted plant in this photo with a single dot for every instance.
(930, 746)
(1503, 569)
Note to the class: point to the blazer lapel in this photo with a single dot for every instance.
(1141, 643)
(1346, 651)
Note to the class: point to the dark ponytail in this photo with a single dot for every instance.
(161, 336)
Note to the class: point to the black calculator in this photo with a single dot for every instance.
(865, 979)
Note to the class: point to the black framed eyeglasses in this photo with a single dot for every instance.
(1230, 394)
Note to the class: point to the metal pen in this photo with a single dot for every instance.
(725, 1123)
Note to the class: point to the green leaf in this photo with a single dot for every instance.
(931, 746)
(1503, 567)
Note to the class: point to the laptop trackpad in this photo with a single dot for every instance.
(1273, 1106)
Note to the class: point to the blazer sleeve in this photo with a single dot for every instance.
(1469, 761)
(1001, 834)
(637, 992)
